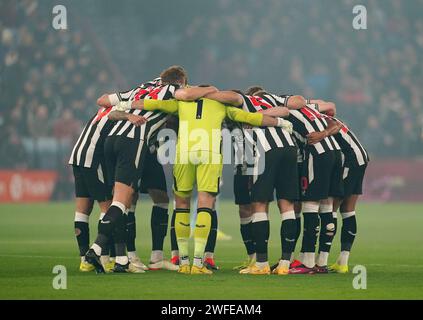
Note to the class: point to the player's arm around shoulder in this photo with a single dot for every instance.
(107, 100)
(257, 119)
(167, 106)
(116, 115)
(226, 97)
(235, 114)
(276, 112)
(326, 107)
(193, 93)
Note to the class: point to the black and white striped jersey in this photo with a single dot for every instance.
(268, 137)
(135, 93)
(88, 151)
(155, 119)
(307, 120)
(354, 152)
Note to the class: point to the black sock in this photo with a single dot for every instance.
(311, 230)
(173, 241)
(288, 229)
(297, 230)
(247, 237)
(131, 229)
(107, 224)
(111, 251)
(348, 232)
(261, 231)
(105, 250)
(211, 240)
(120, 235)
(82, 233)
(159, 221)
(327, 231)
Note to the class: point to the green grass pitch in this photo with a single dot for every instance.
(36, 237)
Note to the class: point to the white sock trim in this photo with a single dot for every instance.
(96, 248)
(298, 215)
(120, 205)
(174, 253)
(162, 205)
(323, 208)
(102, 214)
(81, 217)
(156, 256)
(335, 215)
(288, 215)
(311, 206)
(260, 216)
(347, 214)
(246, 220)
(122, 260)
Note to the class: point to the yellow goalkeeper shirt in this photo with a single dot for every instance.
(200, 122)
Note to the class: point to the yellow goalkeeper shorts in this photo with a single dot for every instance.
(203, 167)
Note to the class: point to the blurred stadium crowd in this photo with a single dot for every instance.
(49, 79)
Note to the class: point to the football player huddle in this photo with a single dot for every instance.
(284, 145)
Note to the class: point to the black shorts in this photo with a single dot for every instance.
(92, 183)
(322, 176)
(124, 159)
(153, 177)
(353, 179)
(242, 187)
(280, 174)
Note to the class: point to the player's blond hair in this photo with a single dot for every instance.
(174, 75)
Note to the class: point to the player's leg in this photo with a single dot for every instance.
(174, 250)
(131, 228)
(261, 232)
(211, 242)
(131, 233)
(298, 213)
(242, 189)
(328, 221)
(261, 191)
(353, 188)
(83, 208)
(315, 184)
(310, 233)
(82, 231)
(348, 231)
(287, 191)
(159, 224)
(246, 229)
(108, 253)
(208, 175)
(184, 179)
(114, 221)
(298, 210)
(183, 229)
(202, 229)
(327, 233)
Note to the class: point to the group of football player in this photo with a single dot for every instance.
(290, 147)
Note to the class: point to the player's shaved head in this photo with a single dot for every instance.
(253, 90)
(174, 75)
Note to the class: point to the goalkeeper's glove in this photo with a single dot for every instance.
(285, 124)
(123, 105)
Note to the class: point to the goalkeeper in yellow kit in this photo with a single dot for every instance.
(199, 160)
